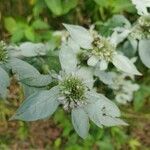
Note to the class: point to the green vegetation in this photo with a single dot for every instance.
(41, 21)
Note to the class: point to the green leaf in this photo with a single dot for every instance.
(10, 24)
(29, 34)
(144, 52)
(102, 3)
(80, 122)
(68, 5)
(55, 6)
(116, 6)
(38, 8)
(39, 24)
(17, 36)
(60, 7)
(40, 105)
(140, 97)
(122, 5)
(4, 82)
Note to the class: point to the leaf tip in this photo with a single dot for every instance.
(138, 73)
(124, 123)
(12, 118)
(65, 25)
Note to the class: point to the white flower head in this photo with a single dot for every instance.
(101, 50)
(141, 30)
(142, 6)
(73, 88)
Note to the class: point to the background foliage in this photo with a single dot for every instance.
(36, 21)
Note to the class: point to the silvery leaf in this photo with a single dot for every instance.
(38, 106)
(105, 77)
(134, 43)
(103, 111)
(92, 61)
(4, 82)
(94, 111)
(14, 51)
(124, 64)
(80, 122)
(23, 69)
(80, 35)
(103, 102)
(119, 35)
(27, 74)
(144, 52)
(38, 81)
(111, 121)
(74, 46)
(29, 49)
(29, 90)
(67, 58)
(103, 65)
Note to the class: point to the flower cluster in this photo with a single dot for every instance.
(142, 28)
(102, 48)
(139, 36)
(73, 91)
(144, 21)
